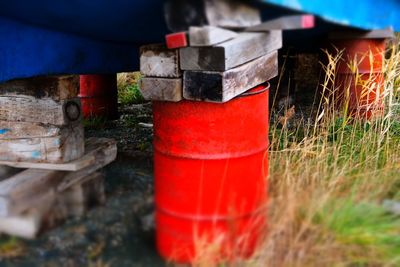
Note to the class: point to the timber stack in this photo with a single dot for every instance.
(48, 172)
(214, 64)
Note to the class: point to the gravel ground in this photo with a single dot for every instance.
(114, 234)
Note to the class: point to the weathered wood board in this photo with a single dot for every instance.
(244, 48)
(180, 15)
(162, 89)
(48, 208)
(43, 110)
(157, 60)
(19, 192)
(24, 130)
(54, 87)
(66, 145)
(94, 151)
(222, 86)
(209, 35)
(360, 34)
(293, 22)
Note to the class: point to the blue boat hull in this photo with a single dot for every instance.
(45, 37)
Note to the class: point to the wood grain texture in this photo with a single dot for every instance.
(46, 209)
(231, 14)
(94, 150)
(292, 22)
(162, 89)
(18, 192)
(222, 86)
(157, 60)
(360, 34)
(181, 14)
(43, 110)
(209, 35)
(66, 145)
(244, 48)
(23, 130)
(54, 87)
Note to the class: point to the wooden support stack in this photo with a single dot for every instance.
(41, 131)
(219, 63)
(40, 120)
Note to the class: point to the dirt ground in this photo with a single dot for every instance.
(115, 234)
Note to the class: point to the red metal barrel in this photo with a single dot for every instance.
(211, 168)
(360, 76)
(99, 95)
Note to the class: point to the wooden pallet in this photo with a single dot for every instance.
(95, 149)
(34, 199)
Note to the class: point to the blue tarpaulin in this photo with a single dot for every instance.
(75, 37)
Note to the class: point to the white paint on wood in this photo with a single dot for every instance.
(157, 60)
(94, 148)
(68, 145)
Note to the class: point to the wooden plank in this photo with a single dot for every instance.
(293, 22)
(244, 48)
(6, 171)
(176, 40)
(42, 110)
(360, 34)
(54, 87)
(94, 149)
(157, 60)
(50, 208)
(223, 86)
(19, 192)
(68, 145)
(80, 197)
(162, 89)
(24, 130)
(209, 35)
(181, 14)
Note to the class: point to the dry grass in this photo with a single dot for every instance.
(327, 182)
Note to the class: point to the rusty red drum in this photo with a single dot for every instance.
(360, 76)
(211, 168)
(99, 95)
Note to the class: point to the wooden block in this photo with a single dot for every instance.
(6, 171)
(176, 40)
(293, 22)
(209, 35)
(43, 110)
(94, 150)
(24, 130)
(21, 191)
(361, 34)
(244, 48)
(162, 89)
(49, 208)
(66, 146)
(222, 86)
(80, 197)
(181, 14)
(54, 87)
(158, 61)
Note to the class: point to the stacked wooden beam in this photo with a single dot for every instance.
(41, 131)
(218, 65)
(40, 120)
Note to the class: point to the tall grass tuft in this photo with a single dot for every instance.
(328, 178)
